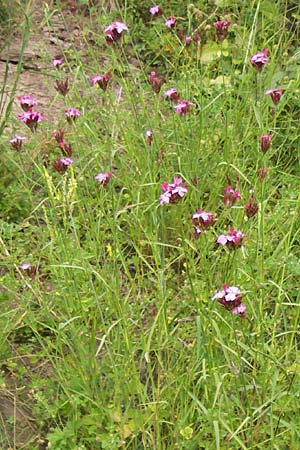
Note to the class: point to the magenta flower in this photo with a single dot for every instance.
(232, 240)
(203, 219)
(17, 142)
(155, 81)
(172, 94)
(62, 86)
(31, 118)
(185, 39)
(275, 95)
(173, 192)
(170, 22)
(71, 114)
(25, 266)
(103, 178)
(260, 59)
(114, 31)
(251, 208)
(62, 164)
(101, 80)
(29, 269)
(265, 142)
(59, 136)
(222, 29)
(231, 298)
(149, 137)
(230, 196)
(27, 102)
(57, 62)
(156, 11)
(183, 107)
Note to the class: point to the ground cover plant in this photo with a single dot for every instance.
(149, 232)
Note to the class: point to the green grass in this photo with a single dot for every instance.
(115, 343)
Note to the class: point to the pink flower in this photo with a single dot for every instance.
(25, 266)
(103, 178)
(251, 208)
(170, 22)
(17, 142)
(27, 102)
(101, 80)
(31, 118)
(275, 95)
(230, 196)
(71, 114)
(185, 39)
(183, 107)
(222, 29)
(29, 269)
(149, 137)
(260, 59)
(173, 192)
(232, 240)
(61, 164)
(114, 31)
(156, 10)
(203, 219)
(231, 298)
(172, 94)
(62, 86)
(155, 82)
(265, 142)
(57, 62)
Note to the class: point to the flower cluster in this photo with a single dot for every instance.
(172, 94)
(173, 192)
(71, 114)
(202, 220)
(62, 86)
(27, 102)
(66, 148)
(156, 11)
(265, 142)
(275, 95)
(103, 178)
(101, 80)
(222, 29)
(260, 59)
(232, 240)
(31, 118)
(251, 208)
(231, 298)
(61, 164)
(17, 142)
(183, 107)
(114, 31)
(155, 81)
(230, 196)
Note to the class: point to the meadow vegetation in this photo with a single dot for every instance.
(150, 235)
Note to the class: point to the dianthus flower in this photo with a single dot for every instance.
(230, 297)
(27, 102)
(101, 80)
(57, 62)
(222, 29)
(71, 114)
(66, 149)
(155, 82)
(31, 118)
(170, 22)
(172, 94)
(230, 196)
(61, 164)
(173, 192)
(103, 178)
(232, 240)
(149, 137)
(265, 142)
(183, 107)
(62, 86)
(17, 142)
(260, 59)
(156, 10)
(203, 219)
(114, 31)
(275, 95)
(262, 173)
(185, 39)
(29, 269)
(251, 208)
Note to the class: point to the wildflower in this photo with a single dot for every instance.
(149, 137)
(61, 164)
(222, 29)
(62, 86)
(260, 59)
(265, 142)
(262, 172)
(156, 11)
(29, 269)
(173, 192)
(185, 39)
(183, 107)
(31, 118)
(232, 240)
(230, 196)
(230, 297)
(71, 114)
(172, 94)
(59, 136)
(251, 208)
(203, 219)
(57, 62)
(275, 95)
(103, 178)
(114, 31)
(196, 37)
(17, 142)
(27, 102)
(101, 80)
(155, 82)
(170, 22)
